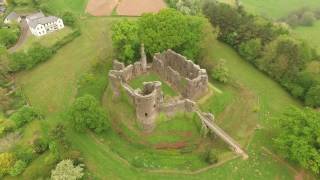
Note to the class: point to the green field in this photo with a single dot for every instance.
(60, 6)
(310, 34)
(275, 9)
(243, 108)
(138, 83)
(48, 40)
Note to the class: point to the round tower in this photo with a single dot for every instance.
(147, 104)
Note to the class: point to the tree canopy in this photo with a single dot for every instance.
(299, 138)
(168, 29)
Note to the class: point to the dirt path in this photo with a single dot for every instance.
(25, 33)
(101, 7)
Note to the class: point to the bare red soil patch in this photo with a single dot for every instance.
(138, 7)
(177, 145)
(101, 7)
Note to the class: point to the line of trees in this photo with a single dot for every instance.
(269, 47)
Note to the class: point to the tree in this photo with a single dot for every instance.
(308, 18)
(313, 96)
(65, 170)
(7, 161)
(25, 115)
(125, 40)
(170, 29)
(251, 49)
(40, 145)
(189, 7)
(18, 168)
(299, 138)
(220, 72)
(9, 36)
(69, 19)
(86, 113)
(211, 157)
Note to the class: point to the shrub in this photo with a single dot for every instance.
(7, 161)
(18, 168)
(313, 96)
(308, 18)
(25, 115)
(25, 154)
(211, 157)
(251, 49)
(66, 170)
(86, 113)
(69, 19)
(40, 145)
(220, 72)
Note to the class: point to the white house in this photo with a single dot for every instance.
(12, 17)
(40, 25)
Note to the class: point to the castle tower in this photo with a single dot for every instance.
(147, 104)
(143, 59)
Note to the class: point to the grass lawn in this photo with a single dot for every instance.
(310, 34)
(275, 9)
(47, 40)
(138, 83)
(52, 85)
(60, 6)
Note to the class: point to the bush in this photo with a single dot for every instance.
(25, 115)
(25, 154)
(308, 18)
(40, 145)
(69, 19)
(211, 157)
(220, 72)
(86, 113)
(313, 96)
(9, 36)
(66, 170)
(18, 168)
(251, 49)
(7, 161)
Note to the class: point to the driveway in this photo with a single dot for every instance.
(25, 32)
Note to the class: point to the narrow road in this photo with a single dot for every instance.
(25, 32)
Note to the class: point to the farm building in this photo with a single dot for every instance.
(12, 17)
(40, 25)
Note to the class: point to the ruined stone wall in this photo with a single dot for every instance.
(173, 107)
(185, 76)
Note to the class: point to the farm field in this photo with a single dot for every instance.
(275, 9)
(138, 7)
(101, 7)
(310, 34)
(60, 6)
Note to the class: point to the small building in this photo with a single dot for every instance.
(40, 25)
(12, 18)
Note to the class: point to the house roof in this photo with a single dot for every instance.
(12, 16)
(35, 16)
(42, 20)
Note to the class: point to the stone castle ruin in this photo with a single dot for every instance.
(181, 74)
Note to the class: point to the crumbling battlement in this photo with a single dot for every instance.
(185, 76)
